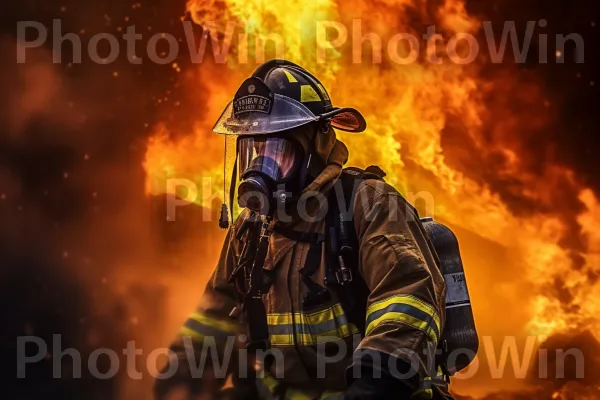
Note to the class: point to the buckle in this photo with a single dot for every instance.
(343, 274)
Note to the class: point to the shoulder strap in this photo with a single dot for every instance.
(350, 180)
(343, 246)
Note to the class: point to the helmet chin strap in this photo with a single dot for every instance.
(224, 217)
(321, 128)
(303, 177)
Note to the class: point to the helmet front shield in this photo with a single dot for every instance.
(254, 115)
(256, 110)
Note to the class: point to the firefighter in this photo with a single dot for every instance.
(362, 327)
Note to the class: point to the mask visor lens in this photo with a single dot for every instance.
(271, 156)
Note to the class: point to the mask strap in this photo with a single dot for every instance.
(224, 217)
(303, 181)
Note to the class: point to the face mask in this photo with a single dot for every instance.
(269, 168)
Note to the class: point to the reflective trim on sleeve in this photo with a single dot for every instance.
(199, 326)
(405, 309)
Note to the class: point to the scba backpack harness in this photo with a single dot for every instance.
(342, 255)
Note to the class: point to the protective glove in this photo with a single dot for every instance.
(369, 388)
(377, 382)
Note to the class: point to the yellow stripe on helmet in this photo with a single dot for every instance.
(308, 94)
(291, 78)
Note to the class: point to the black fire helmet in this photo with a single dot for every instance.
(280, 96)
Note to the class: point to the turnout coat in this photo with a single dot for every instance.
(319, 349)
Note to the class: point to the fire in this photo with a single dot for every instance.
(483, 182)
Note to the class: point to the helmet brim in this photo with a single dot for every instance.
(284, 114)
(346, 119)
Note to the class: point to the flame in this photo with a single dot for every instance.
(481, 182)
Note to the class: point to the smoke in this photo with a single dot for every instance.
(85, 253)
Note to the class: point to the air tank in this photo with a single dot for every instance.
(460, 334)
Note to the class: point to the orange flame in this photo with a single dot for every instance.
(415, 112)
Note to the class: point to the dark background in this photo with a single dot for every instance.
(54, 180)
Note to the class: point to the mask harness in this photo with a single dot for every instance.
(263, 181)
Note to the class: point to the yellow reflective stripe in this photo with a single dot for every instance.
(220, 324)
(315, 317)
(281, 319)
(185, 331)
(270, 382)
(290, 77)
(407, 319)
(308, 94)
(406, 309)
(282, 340)
(323, 316)
(295, 394)
(307, 339)
(308, 328)
(440, 371)
(406, 299)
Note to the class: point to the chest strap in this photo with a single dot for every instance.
(253, 305)
(316, 294)
(296, 236)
